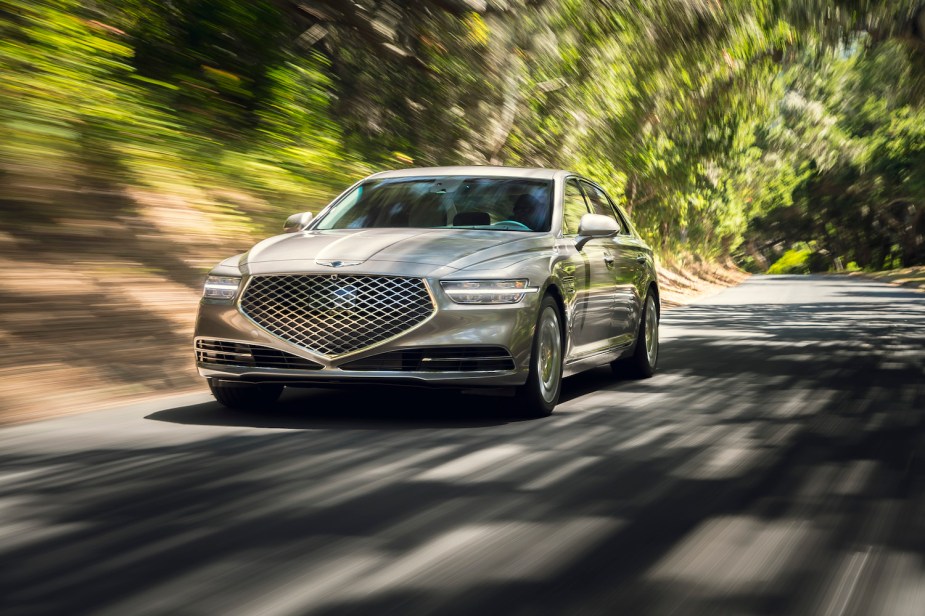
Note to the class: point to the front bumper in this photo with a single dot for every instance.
(452, 325)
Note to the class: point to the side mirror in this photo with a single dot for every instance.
(595, 225)
(297, 222)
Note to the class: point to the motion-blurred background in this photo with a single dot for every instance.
(142, 141)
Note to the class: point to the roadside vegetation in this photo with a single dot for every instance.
(141, 141)
(734, 128)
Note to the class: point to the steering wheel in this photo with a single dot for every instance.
(516, 223)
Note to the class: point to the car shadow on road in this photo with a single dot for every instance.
(368, 409)
(380, 408)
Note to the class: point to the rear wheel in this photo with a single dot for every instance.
(245, 396)
(641, 364)
(539, 395)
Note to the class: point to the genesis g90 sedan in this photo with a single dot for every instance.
(457, 277)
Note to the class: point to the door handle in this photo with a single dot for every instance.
(608, 260)
(640, 258)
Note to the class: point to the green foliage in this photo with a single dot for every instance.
(801, 259)
(794, 261)
(66, 100)
(854, 140)
(722, 128)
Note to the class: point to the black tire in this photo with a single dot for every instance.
(642, 363)
(245, 396)
(540, 394)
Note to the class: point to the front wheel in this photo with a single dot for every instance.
(539, 395)
(641, 364)
(245, 396)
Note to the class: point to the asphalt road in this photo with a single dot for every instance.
(774, 465)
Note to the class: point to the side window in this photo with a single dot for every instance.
(622, 218)
(573, 208)
(600, 204)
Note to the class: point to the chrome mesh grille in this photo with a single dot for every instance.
(336, 314)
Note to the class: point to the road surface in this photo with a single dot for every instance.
(774, 465)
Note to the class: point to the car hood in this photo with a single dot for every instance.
(411, 251)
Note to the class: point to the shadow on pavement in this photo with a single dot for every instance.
(380, 408)
(773, 466)
(371, 409)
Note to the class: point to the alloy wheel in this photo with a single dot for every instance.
(651, 331)
(549, 354)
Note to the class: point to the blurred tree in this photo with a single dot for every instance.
(67, 104)
(734, 127)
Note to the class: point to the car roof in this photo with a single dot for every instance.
(475, 170)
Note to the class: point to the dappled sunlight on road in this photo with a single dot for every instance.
(778, 473)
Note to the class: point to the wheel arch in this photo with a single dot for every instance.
(553, 291)
(653, 289)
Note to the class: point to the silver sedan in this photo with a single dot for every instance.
(460, 277)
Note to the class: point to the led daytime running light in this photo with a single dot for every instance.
(487, 291)
(221, 287)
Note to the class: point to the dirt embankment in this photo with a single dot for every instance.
(687, 278)
(95, 312)
(909, 277)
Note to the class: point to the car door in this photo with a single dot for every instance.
(623, 268)
(592, 326)
(639, 257)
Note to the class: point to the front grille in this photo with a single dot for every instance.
(225, 353)
(335, 314)
(438, 359)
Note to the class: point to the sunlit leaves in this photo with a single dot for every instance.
(711, 122)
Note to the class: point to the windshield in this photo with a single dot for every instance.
(444, 202)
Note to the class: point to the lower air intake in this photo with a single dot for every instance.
(226, 353)
(438, 359)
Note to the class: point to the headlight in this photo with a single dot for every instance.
(487, 291)
(221, 287)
